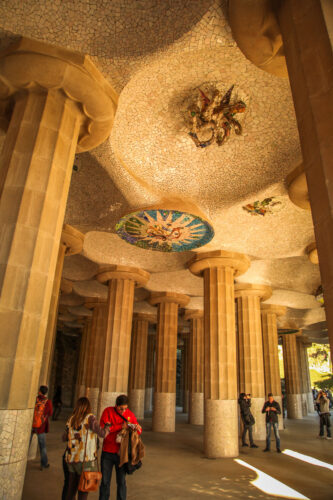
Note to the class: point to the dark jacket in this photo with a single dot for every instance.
(246, 415)
(271, 416)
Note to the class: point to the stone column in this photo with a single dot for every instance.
(196, 386)
(219, 269)
(269, 314)
(308, 52)
(150, 373)
(186, 371)
(164, 411)
(306, 344)
(250, 349)
(307, 404)
(61, 104)
(121, 281)
(71, 243)
(292, 376)
(137, 376)
(95, 351)
(83, 358)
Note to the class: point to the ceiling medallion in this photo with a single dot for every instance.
(212, 117)
(164, 230)
(264, 207)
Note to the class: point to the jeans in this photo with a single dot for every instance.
(247, 427)
(108, 460)
(325, 420)
(42, 448)
(276, 433)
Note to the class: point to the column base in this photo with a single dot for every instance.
(259, 428)
(106, 399)
(280, 417)
(164, 413)
(221, 428)
(137, 402)
(149, 398)
(15, 431)
(294, 406)
(92, 393)
(186, 404)
(309, 396)
(196, 411)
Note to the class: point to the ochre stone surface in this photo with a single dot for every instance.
(292, 376)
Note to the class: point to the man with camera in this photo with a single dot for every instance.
(323, 403)
(272, 410)
(244, 402)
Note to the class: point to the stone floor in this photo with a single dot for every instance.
(175, 468)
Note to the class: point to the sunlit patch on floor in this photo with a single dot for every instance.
(271, 486)
(308, 459)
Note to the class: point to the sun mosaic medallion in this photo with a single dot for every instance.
(164, 230)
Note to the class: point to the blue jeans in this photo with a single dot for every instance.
(42, 448)
(108, 460)
(276, 434)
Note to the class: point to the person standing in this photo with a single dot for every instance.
(248, 420)
(57, 403)
(272, 409)
(80, 434)
(323, 403)
(119, 417)
(40, 424)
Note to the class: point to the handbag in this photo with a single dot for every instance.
(128, 467)
(89, 480)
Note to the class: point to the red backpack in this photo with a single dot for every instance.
(39, 417)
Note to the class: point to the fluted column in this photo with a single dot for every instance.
(71, 243)
(250, 349)
(292, 376)
(303, 370)
(150, 373)
(95, 351)
(121, 281)
(196, 386)
(138, 357)
(186, 371)
(308, 386)
(83, 359)
(269, 314)
(61, 104)
(219, 269)
(164, 411)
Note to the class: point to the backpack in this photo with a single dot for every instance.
(39, 417)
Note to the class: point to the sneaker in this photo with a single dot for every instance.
(328, 437)
(266, 449)
(245, 444)
(278, 450)
(254, 446)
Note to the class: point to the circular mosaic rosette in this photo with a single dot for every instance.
(164, 230)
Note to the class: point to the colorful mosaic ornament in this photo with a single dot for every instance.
(264, 207)
(164, 230)
(214, 117)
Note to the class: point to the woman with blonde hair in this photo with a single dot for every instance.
(81, 434)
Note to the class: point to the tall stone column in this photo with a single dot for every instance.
(306, 344)
(150, 372)
(269, 314)
(95, 351)
(164, 411)
(61, 104)
(196, 386)
(137, 376)
(292, 376)
(83, 360)
(71, 243)
(219, 269)
(250, 349)
(121, 281)
(301, 343)
(310, 68)
(186, 371)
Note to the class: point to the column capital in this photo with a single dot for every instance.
(273, 309)
(193, 314)
(169, 297)
(30, 66)
(92, 302)
(72, 239)
(219, 258)
(264, 292)
(151, 318)
(139, 276)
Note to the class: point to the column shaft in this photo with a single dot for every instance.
(137, 377)
(150, 373)
(250, 356)
(165, 369)
(186, 372)
(292, 376)
(196, 387)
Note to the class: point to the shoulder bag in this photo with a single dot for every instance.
(89, 480)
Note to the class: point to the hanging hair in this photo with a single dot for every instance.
(81, 410)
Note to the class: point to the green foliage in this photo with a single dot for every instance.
(321, 380)
(319, 357)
